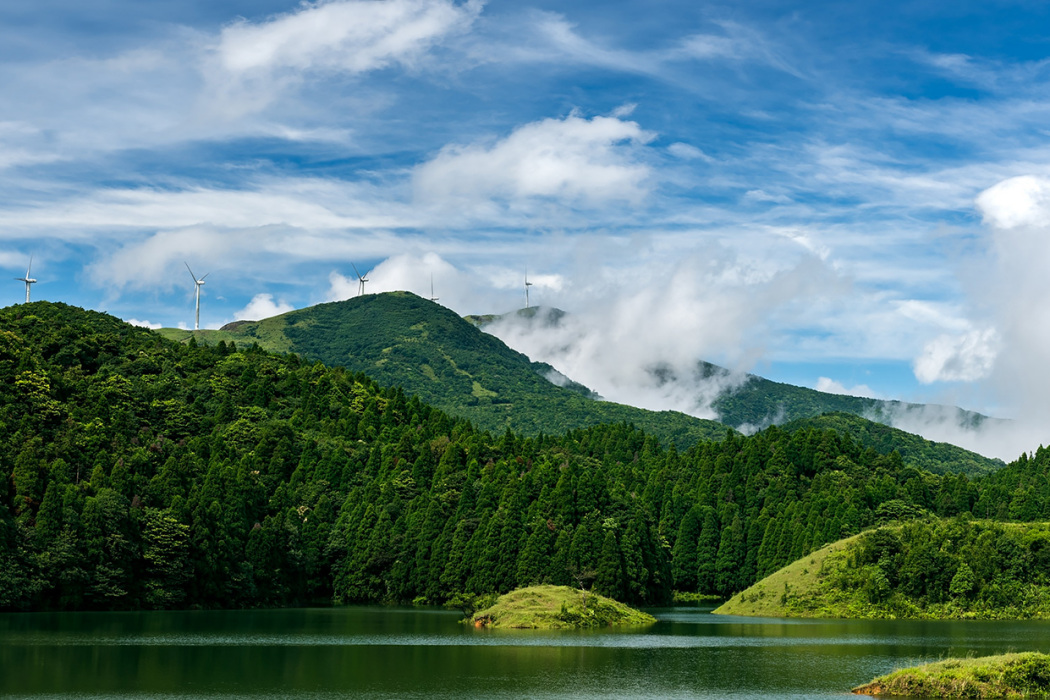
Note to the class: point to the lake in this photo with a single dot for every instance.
(373, 652)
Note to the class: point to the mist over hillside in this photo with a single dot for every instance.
(643, 371)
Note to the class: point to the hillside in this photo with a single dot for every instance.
(399, 339)
(957, 568)
(915, 451)
(136, 472)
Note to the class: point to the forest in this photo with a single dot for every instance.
(144, 473)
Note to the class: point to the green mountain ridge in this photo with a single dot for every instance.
(400, 339)
(425, 347)
(915, 450)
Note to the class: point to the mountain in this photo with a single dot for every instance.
(751, 401)
(400, 339)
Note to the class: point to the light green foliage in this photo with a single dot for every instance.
(1025, 675)
(951, 568)
(554, 607)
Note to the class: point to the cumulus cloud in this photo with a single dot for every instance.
(483, 288)
(574, 160)
(262, 306)
(143, 324)
(958, 358)
(1016, 202)
(830, 386)
(637, 336)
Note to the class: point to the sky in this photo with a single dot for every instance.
(850, 196)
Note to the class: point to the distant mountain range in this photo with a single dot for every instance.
(398, 338)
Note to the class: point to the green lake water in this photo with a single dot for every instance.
(364, 652)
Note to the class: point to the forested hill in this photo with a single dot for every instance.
(142, 473)
(915, 451)
(400, 339)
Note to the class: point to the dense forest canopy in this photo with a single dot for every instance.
(144, 473)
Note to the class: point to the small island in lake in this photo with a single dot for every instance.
(557, 607)
(1024, 675)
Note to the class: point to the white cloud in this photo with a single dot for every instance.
(352, 36)
(255, 60)
(763, 196)
(144, 324)
(574, 160)
(262, 306)
(830, 386)
(687, 151)
(958, 358)
(1017, 202)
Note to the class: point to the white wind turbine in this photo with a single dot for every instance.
(197, 284)
(27, 279)
(527, 285)
(361, 280)
(432, 297)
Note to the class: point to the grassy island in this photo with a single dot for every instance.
(556, 607)
(1024, 675)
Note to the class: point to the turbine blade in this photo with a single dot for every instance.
(355, 270)
(30, 266)
(206, 274)
(191, 272)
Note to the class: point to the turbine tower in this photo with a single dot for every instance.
(27, 279)
(527, 285)
(361, 280)
(197, 283)
(432, 297)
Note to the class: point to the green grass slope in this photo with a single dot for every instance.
(1025, 675)
(398, 338)
(924, 569)
(915, 451)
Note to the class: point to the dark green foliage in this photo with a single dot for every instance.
(141, 473)
(915, 451)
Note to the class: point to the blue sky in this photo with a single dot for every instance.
(844, 195)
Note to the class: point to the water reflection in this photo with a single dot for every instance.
(389, 652)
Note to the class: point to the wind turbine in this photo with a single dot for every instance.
(527, 285)
(197, 283)
(432, 297)
(361, 280)
(27, 279)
